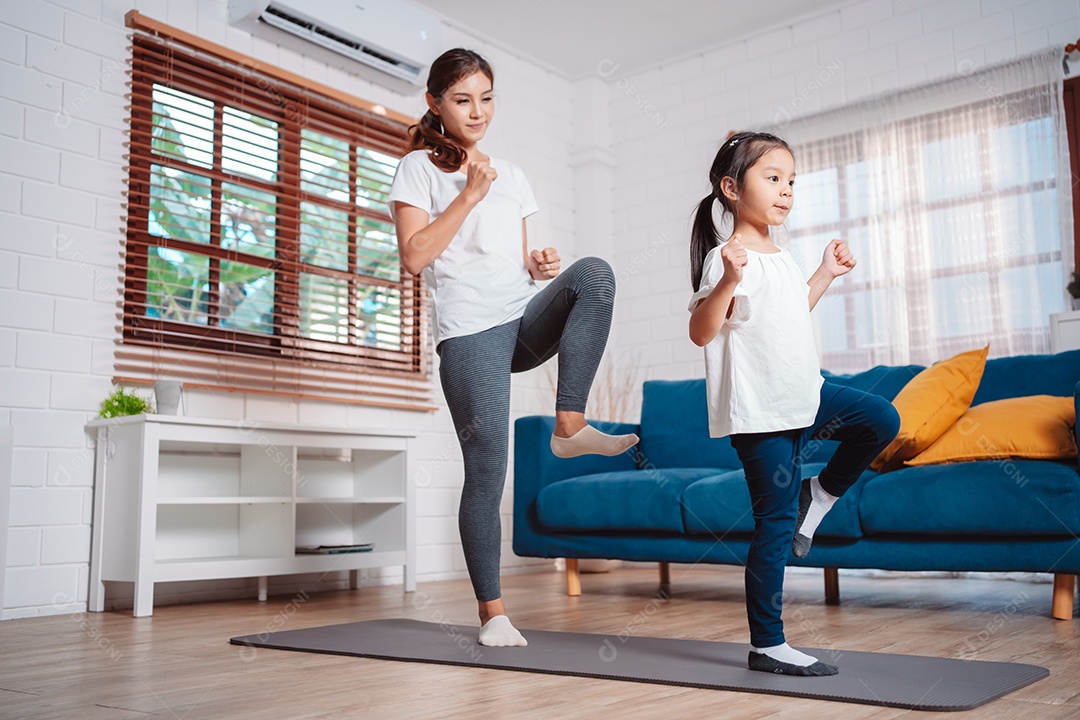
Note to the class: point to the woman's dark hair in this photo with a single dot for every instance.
(737, 155)
(448, 68)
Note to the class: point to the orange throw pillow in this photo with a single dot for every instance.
(1040, 427)
(930, 403)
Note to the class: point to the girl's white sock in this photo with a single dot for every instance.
(814, 504)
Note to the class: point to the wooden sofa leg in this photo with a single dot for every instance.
(832, 586)
(665, 581)
(573, 580)
(1062, 608)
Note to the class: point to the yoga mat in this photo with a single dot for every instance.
(903, 681)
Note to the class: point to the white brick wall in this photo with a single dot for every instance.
(7, 353)
(28, 467)
(822, 62)
(46, 506)
(52, 202)
(23, 388)
(62, 74)
(65, 545)
(9, 270)
(23, 547)
(24, 311)
(44, 20)
(29, 161)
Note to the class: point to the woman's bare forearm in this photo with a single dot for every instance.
(427, 243)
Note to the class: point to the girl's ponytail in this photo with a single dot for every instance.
(428, 134)
(703, 238)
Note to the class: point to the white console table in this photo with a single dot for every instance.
(183, 498)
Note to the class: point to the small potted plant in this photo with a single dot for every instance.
(124, 402)
(1074, 290)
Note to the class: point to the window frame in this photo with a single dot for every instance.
(254, 88)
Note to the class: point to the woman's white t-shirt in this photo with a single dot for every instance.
(480, 280)
(762, 372)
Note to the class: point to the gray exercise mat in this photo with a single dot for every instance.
(904, 681)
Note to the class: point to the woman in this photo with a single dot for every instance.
(460, 217)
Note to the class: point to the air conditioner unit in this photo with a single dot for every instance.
(394, 36)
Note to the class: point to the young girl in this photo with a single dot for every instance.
(751, 312)
(460, 218)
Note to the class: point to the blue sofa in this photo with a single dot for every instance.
(681, 496)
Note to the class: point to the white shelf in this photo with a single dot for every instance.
(249, 428)
(179, 498)
(223, 500)
(388, 500)
(215, 568)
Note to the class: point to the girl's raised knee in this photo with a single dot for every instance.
(888, 424)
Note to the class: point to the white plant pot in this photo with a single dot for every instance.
(167, 396)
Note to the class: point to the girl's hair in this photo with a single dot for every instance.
(448, 68)
(737, 155)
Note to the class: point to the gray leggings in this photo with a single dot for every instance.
(571, 317)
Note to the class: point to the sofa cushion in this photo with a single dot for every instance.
(675, 428)
(884, 380)
(718, 504)
(1022, 375)
(991, 497)
(625, 500)
(721, 504)
(930, 404)
(1039, 427)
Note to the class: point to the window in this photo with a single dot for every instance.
(958, 219)
(993, 239)
(260, 254)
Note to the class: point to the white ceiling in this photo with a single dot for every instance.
(571, 37)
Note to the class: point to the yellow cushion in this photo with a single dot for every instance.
(930, 403)
(1041, 427)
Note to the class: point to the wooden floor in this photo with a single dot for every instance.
(178, 663)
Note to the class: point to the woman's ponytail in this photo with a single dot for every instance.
(703, 238)
(428, 134)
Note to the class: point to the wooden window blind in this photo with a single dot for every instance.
(259, 252)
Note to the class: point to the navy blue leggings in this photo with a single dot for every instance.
(864, 424)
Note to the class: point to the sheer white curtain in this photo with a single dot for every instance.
(956, 200)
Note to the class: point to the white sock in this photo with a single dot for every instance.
(786, 654)
(588, 440)
(499, 632)
(821, 503)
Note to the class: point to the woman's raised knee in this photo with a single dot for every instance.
(593, 273)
